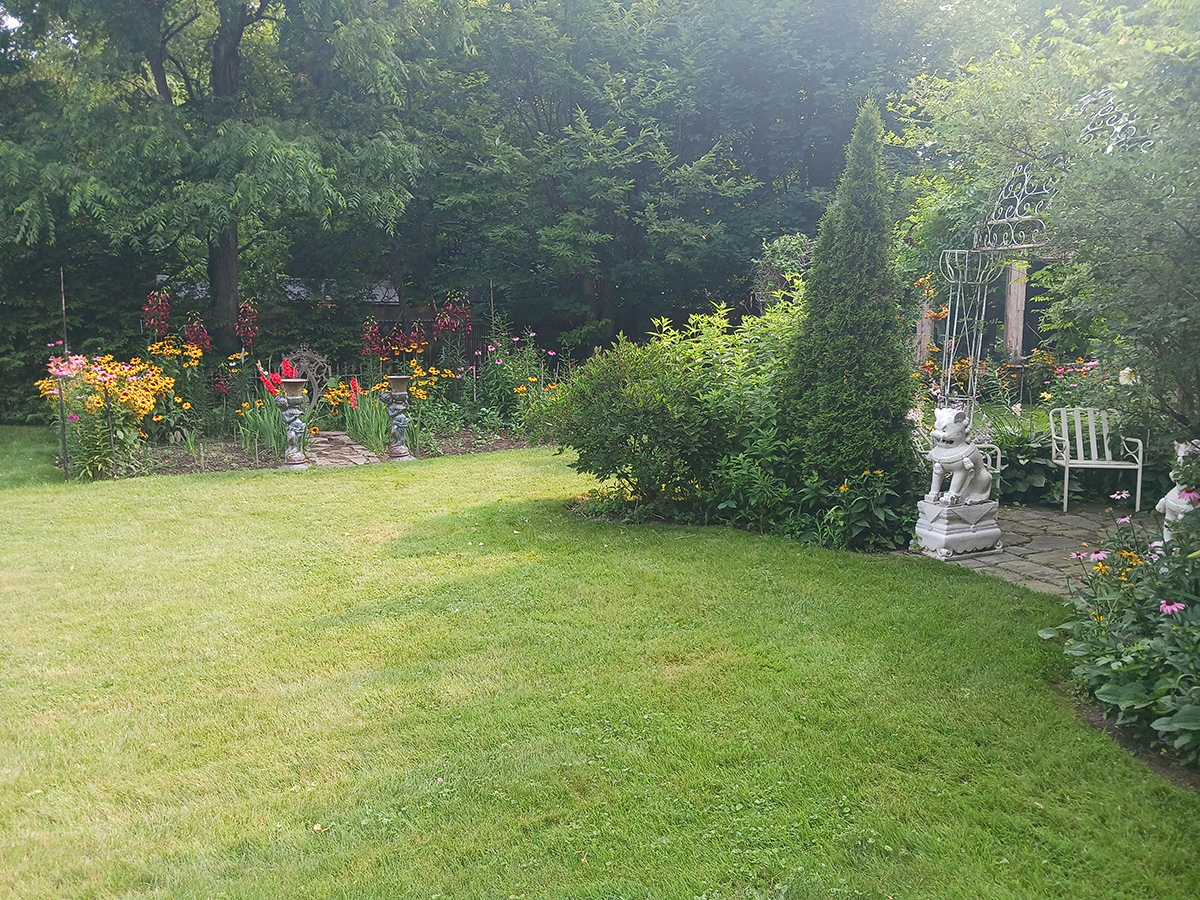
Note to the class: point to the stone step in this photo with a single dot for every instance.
(334, 448)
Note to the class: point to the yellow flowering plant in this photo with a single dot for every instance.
(1134, 629)
(104, 403)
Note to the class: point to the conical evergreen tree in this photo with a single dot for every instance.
(850, 378)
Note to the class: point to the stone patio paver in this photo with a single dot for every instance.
(1038, 543)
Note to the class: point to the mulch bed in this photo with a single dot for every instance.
(227, 455)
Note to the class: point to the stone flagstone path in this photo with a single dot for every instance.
(1039, 541)
(334, 448)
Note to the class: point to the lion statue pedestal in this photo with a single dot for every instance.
(962, 518)
(946, 531)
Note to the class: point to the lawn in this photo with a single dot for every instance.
(431, 679)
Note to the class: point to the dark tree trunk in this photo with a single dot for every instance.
(223, 285)
(223, 252)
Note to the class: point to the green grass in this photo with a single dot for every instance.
(27, 456)
(474, 693)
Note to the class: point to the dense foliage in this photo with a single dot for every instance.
(582, 166)
(1136, 631)
(1101, 99)
(686, 427)
(850, 388)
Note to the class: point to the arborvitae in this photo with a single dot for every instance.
(850, 387)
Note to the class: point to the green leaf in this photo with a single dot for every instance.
(1186, 719)
(1125, 696)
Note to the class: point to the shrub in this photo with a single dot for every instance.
(644, 416)
(1028, 475)
(687, 428)
(850, 388)
(1136, 631)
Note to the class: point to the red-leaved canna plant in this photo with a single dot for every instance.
(156, 312)
(246, 327)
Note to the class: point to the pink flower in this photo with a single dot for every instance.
(516, 339)
(551, 353)
(491, 349)
(1099, 555)
(1079, 554)
(1124, 520)
(1170, 607)
(1189, 495)
(499, 362)
(1120, 495)
(533, 334)
(72, 418)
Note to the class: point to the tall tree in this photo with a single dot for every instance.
(200, 125)
(620, 160)
(850, 388)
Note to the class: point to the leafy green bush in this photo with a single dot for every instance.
(1028, 475)
(687, 428)
(1136, 631)
(648, 417)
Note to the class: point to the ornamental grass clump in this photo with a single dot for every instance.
(1136, 631)
(361, 411)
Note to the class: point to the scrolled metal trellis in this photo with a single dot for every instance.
(1014, 226)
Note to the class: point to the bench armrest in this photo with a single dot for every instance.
(1132, 447)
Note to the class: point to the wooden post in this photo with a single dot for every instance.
(924, 336)
(1014, 310)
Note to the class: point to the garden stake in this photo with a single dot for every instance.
(62, 429)
(112, 443)
(62, 287)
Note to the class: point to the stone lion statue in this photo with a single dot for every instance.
(954, 454)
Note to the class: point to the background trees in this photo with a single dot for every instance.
(192, 130)
(1122, 229)
(584, 162)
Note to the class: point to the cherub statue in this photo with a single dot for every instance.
(292, 409)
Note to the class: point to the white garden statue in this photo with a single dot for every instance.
(954, 454)
(962, 518)
(1179, 499)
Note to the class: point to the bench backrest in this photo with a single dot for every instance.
(1081, 433)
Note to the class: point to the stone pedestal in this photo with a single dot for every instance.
(945, 531)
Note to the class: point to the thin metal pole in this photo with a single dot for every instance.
(62, 430)
(62, 287)
(112, 444)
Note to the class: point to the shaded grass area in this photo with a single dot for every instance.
(27, 456)
(429, 678)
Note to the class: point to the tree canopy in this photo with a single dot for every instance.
(589, 160)
(1103, 101)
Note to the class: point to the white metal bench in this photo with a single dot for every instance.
(1081, 439)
